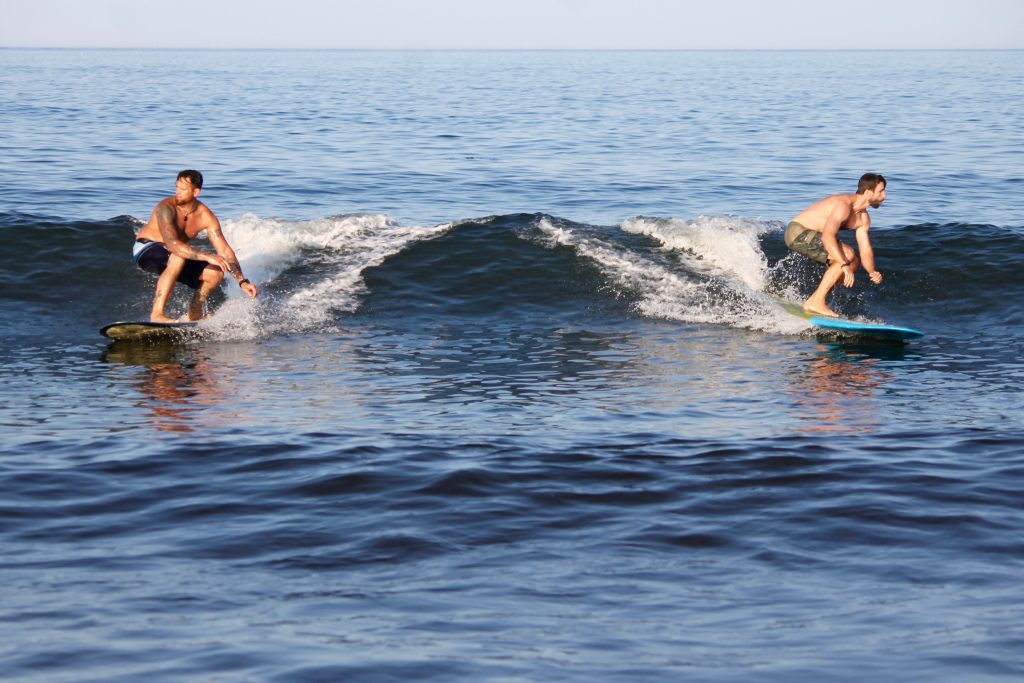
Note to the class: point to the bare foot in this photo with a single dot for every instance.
(820, 309)
(161, 319)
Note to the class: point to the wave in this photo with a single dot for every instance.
(313, 270)
(317, 274)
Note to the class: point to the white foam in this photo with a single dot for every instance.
(336, 251)
(724, 246)
(722, 279)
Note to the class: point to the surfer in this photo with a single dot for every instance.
(814, 234)
(162, 248)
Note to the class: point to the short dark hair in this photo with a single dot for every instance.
(194, 177)
(869, 181)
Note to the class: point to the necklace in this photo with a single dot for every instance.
(184, 219)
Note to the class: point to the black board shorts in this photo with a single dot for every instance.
(153, 256)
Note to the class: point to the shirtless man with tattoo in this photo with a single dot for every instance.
(162, 248)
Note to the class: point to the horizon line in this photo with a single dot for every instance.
(517, 49)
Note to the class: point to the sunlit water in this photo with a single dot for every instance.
(516, 403)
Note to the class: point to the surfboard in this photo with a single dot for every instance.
(139, 330)
(862, 329)
(852, 327)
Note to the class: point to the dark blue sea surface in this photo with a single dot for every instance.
(518, 401)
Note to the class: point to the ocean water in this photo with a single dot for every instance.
(517, 402)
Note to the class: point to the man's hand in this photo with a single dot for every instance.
(216, 260)
(848, 275)
(249, 288)
(876, 277)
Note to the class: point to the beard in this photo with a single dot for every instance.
(875, 205)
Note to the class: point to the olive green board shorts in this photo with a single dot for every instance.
(806, 242)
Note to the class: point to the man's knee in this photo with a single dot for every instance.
(212, 275)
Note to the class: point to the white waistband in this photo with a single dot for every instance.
(139, 247)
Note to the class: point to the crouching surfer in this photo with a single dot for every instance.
(814, 234)
(162, 248)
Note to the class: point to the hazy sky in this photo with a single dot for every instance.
(658, 24)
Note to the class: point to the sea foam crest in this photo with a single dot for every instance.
(660, 288)
(329, 254)
(721, 279)
(727, 251)
(722, 246)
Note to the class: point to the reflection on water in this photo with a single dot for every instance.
(178, 381)
(839, 388)
(697, 382)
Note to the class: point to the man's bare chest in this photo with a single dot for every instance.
(856, 219)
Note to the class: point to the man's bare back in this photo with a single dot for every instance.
(837, 208)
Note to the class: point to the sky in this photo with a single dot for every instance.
(515, 24)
